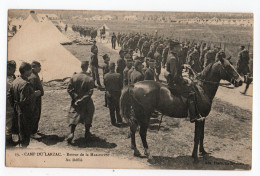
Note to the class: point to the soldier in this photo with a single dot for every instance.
(137, 74)
(94, 47)
(22, 98)
(129, 64)
(210, 57)
(131, 43)
(178, 84)
(113, 41)
(158, 60)
(149, 72)
(34, 79)
(121, 62)
(193, 60)
(243, 61)
(105, 71)
(94, 67)
(113, 85)
(165, 54)
(118, 39)
(80, 88)
(145, 48)
(202, 55)
(10, 121)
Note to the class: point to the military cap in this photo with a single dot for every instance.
(112, 65)
(35, 64)
(94, 41)
(11, 63)
(242, 46)
(24, 67)
(84, 63)
(137, 63)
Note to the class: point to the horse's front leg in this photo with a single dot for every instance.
(201, 149)
(196, 141)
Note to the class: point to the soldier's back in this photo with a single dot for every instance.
(136, 76)
(82, 83)
(113, 82)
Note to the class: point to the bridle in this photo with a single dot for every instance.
(212, 82)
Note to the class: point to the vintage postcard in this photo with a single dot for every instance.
(129, 90)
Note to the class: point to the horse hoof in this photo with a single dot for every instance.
(204, 153)
(137, 153)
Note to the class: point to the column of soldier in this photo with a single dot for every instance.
(25, 92)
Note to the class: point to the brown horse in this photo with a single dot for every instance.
(139, 101)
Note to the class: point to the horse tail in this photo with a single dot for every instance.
(126, 103)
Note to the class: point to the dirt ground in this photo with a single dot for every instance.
(228, 131)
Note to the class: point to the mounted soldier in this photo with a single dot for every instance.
(179, 85)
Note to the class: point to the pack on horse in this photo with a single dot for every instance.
(139, 101)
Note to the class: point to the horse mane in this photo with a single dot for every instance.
(206, 70)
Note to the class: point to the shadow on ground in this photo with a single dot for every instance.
(205, 163)
(93, 142)
(50, 139)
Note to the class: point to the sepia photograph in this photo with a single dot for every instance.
(129, 89)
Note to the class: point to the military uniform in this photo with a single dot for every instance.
(125, 76)
(9, 109)
(113, 41)
(165, 56)
(94, 47)
(129, 75)
(82, 109)
(113, 85)
(120, 65)
(94, 68)
(22, 98)
(158, 60)
(209, 58)
(145, 48)
(193, 61)
(243, 61)
(34, 79)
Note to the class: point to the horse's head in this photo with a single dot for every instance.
(229, 73)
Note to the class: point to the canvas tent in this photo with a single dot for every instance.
(36, 42)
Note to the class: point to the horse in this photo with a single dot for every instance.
(139, 101)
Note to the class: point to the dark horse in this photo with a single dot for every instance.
(139, 101)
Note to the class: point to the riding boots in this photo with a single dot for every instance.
(194, 115)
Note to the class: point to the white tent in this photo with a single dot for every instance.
(36, 42)
(50, 30)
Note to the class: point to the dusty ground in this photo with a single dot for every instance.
(228, 132)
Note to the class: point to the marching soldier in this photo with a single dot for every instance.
(22, 98)
(113, 41)
(150, 72)
(137, 74)
(129, 64)
(193, 60)
(113, 85)
(10, 121)
(34, 79)
(82, 108)
(145, 48)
